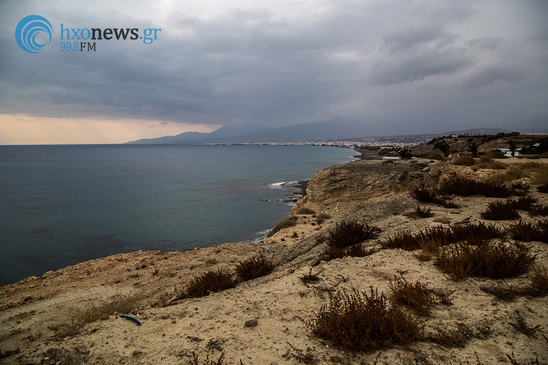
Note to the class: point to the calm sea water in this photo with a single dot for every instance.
(60, 205)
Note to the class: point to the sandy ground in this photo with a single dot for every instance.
(280, 302)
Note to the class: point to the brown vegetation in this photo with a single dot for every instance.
(361, 322)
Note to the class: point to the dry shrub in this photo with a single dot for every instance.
(543, 188)
(462, 186)
(522, 326)
(464, 161)
(419, 213)
(253, 268)
(429, 247)
(535, 171)
(361, 322)
(305, 210)
(500, 210)
(491, 260)
(423, 193)
(310, 278)
(412, 295)
(349, 233)
(322, 217)
(284, 223)
(525, 203)
(427, 194)
(80, 316)
(404, 240)
(528, 231)
(538, 287)
(431, 239)
(196, 360)
(539, 209)
(211, 281)
(307, 357)
(332, 253)
(476, 233)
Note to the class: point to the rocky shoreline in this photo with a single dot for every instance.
(279, 304)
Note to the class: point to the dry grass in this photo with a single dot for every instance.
(211, 281)
(535, 171)
(529, 231)
(284, 223)
(305, 210)
(521, 325)
(412, 295)
(462, 186)
(543, 188)
(538, 287)
(490, 260)
(253, 268)
(500, 210)
(362, 322)
(348, 233)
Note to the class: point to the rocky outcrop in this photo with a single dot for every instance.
(344, 189)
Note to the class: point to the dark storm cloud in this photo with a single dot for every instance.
(253, 65)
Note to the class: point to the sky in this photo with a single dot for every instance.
(402, 67)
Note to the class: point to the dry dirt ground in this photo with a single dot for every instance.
(32, 310)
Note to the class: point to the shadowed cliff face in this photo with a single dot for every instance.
(344, 189)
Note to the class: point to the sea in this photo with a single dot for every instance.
(60, 205)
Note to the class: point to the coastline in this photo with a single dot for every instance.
(276, 301)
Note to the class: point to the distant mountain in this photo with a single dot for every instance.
(336, 128)
(221, 134)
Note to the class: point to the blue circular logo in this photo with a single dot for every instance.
(27, 31)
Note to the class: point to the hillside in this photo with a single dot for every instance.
(269, 320)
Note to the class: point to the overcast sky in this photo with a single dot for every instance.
(408, 66)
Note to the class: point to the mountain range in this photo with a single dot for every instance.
(334, 129)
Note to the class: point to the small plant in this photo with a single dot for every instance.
(412, 295)
(500, 210)
(420, 213)
(284, 223)
(322, 217)
(423, 194)
(304, 210)
(462, 186)
(537, 288)
(527, 231)
(253, 268)
(543, 188)
(523, 327)
(307, 357)
(475, 234)
(464, 161)
(525, 203)
(349, 233)
(539, 209)
(310, 278)
(196, 360)
(361, 322)
(493, 261)
(211, 281)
